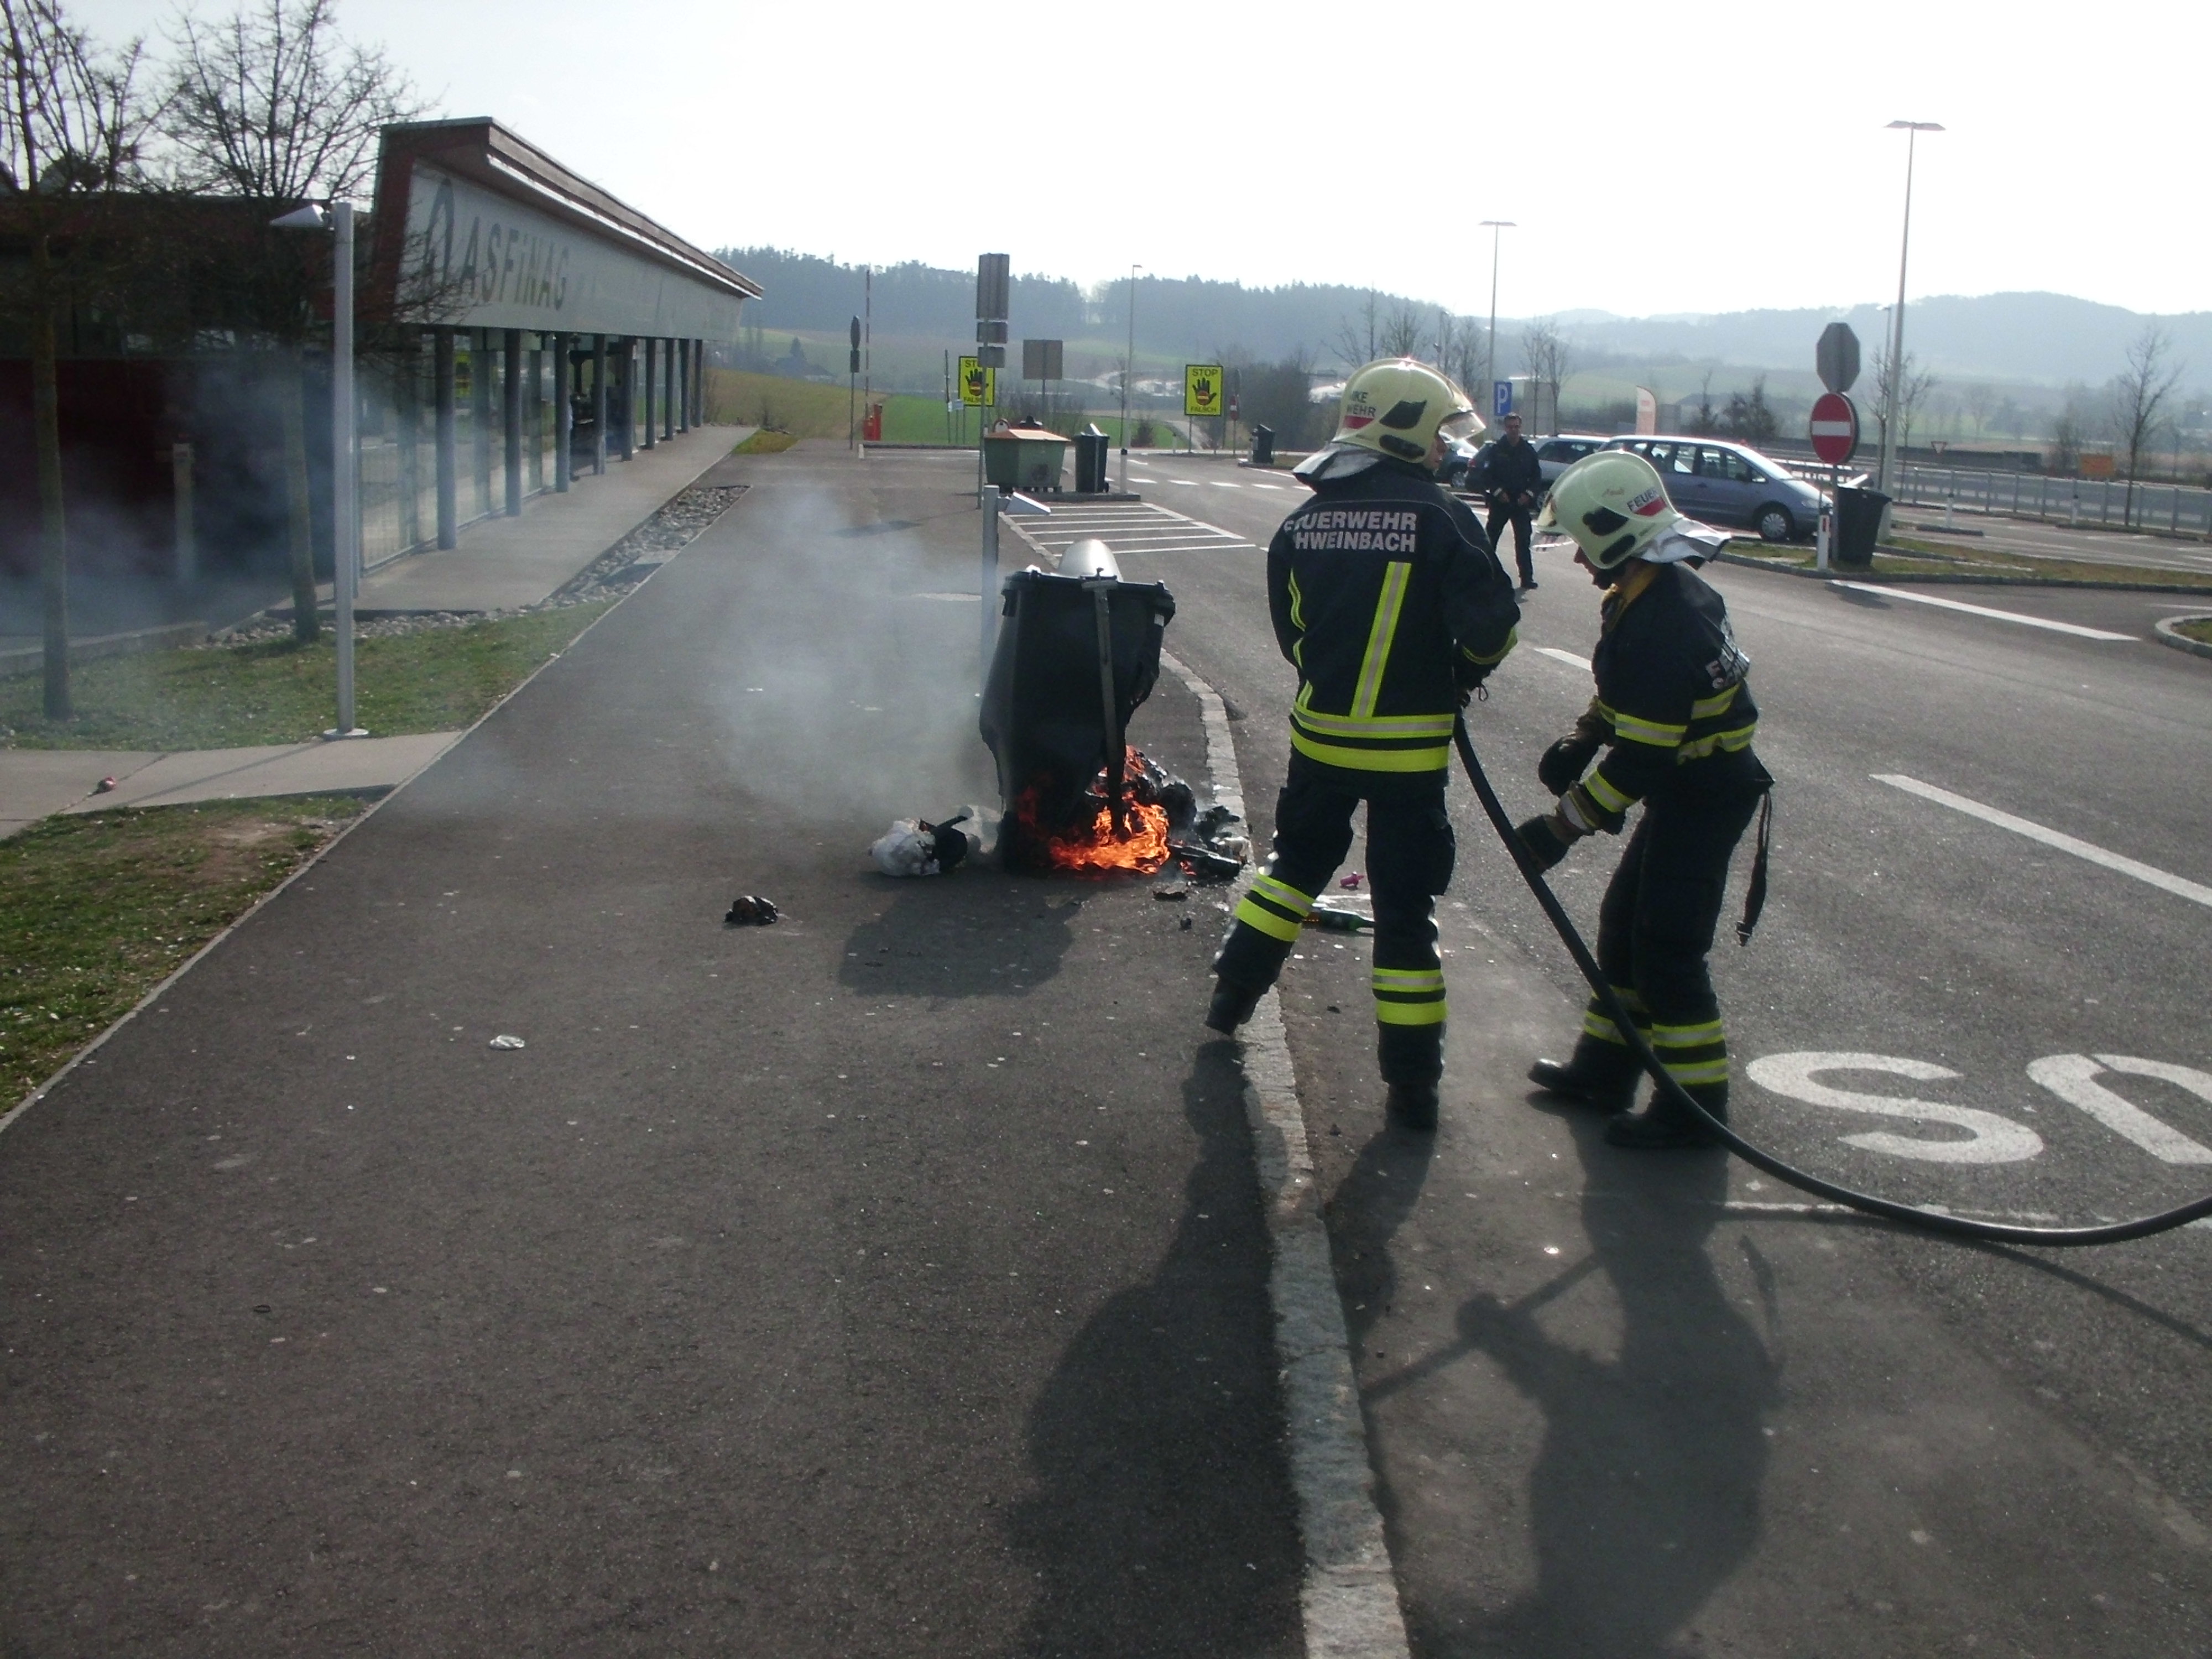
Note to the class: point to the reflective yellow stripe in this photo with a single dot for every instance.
(1409, 1013)
(1708, 708)
(1283, 893)
(1731, 741)
(1603, 792)
(1512, 639)
(1686, 1036)
(1380, 725)
(1257, 916)
(1298, 621)
(1372, 760)
(1703, 1070)
(1629, 729)
(1394, 577)
(1597, 1025)
(1407, 979)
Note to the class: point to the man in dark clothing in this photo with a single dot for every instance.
(1387, 599)
(1512, 479)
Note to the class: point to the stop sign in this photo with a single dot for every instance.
(1835, 428)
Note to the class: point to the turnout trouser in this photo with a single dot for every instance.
(1410, 851)
(1655, 928)
(1503, 512)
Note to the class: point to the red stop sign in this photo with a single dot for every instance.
(1835, 431)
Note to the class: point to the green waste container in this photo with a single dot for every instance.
(1024, 457)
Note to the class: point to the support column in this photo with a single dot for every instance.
(626, 394)
(510, 359)
(533, 419)
(599, 405)
(683, 408)
(699, 382)
(480, 407)
(449, 468)
(652, 386)
(668, 404)
(407, 419)
(564, 411)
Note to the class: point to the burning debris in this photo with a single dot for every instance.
(1160, 822)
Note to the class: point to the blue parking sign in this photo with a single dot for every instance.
(1501, 398)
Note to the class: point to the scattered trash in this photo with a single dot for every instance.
(505, 1042)
(1205, 863)
(103, 786)
(1170, 892)
(916, 847)
(1336, 920)
(1184, 924)
(1350, 883)
(747, 910)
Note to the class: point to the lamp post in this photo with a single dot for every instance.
(1497, 227)
(345, 476)
(1128, 368)
(1912, 129)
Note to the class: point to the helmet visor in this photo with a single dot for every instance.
(1464, 423)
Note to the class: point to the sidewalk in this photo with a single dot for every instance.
(35, 783)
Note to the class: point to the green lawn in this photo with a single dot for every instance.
(2197, 628)
(95, 910)
(1951, 559)
(437, 680)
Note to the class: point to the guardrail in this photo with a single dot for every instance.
(2163, 509)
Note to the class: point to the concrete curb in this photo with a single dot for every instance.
(2169, 633)
(30, 659)
(1348, 1601)
(1949, 580)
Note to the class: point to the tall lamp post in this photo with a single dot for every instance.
(1128, 369)
(345, 476)
(1912, 129)
(1497, 227)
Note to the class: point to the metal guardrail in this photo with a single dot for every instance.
(2165, 509)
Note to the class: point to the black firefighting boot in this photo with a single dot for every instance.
(1664, 1126)
(1412, 1060)
(1413, 1106)
(1600, 1073)
(1231, 1006)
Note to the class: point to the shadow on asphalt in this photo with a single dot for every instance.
(1383, 1186)
(1163, 1521)
(972, 933)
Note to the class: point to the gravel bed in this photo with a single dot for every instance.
(613, 573)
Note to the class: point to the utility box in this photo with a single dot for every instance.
(1090, 447)
(1024, 457)
(1858, 526)
(1263, 446)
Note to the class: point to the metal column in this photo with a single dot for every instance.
(449, 515)
(668, 401)
(511, 417)
(598, 404)
(683, 410)
(564, 411)
(626, 386)
(652, 387)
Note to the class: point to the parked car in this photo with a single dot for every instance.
(1723, 482)
(1556, 453)
(1459, 455)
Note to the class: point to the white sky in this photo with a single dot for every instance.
(1708, 156)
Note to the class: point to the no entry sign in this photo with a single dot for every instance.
(1835, 428)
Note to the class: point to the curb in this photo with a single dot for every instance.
(1948, 580)
(2169, 633)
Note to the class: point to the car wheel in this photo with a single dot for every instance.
(1774, 523)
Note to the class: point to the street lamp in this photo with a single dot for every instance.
(1128, 368)
(1497, 227)
(1912, 129)
(345, 478)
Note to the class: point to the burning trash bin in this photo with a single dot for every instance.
(1079, 650)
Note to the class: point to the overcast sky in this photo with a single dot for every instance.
(1707, 156)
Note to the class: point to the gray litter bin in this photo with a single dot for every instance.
(1263, 446)
(1858, 526)
(1090, 461)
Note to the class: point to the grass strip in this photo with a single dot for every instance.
(96, 910)
(435, 679)
(1921, 558)
(2197, 628)
(765, 443)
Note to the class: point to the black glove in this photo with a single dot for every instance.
(1542, 839)
(1565, 761)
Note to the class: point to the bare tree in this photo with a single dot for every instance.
(1546, 353)
(2139, 394)
(1912, 390)
(1980, 400)
(271, 104)
(1703, 422)
(1355, 339)
(1400, 335)
(70, 139)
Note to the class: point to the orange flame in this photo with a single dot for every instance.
(1095, 848)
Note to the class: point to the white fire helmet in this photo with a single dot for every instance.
(1396, 406)
(1613, 504)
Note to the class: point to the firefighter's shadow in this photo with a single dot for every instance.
(1377, 1196)
(976, 932)
(1644, 1498)
(1162, 1522)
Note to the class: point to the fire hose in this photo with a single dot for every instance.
(1935, 1221)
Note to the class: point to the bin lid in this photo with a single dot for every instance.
(1026, 434)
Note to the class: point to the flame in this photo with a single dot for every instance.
(1094, 846)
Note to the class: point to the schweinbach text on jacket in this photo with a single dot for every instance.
(1388, 600)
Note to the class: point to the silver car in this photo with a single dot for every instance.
(1722, 483)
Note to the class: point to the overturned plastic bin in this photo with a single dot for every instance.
(1078, 651)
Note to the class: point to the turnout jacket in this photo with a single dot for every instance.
(1388, 600)
(1505, 472)
(1673, 692)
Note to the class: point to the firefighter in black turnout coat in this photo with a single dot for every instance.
(1675, 716)
(1387, 599)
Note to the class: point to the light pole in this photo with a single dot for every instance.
(345, 476)
(1912, 129)
(1128, 368)
(1497, 228)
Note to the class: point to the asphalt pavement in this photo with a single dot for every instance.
(1633, 1405)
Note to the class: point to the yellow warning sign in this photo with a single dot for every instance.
(978, 385)
(1201, 389)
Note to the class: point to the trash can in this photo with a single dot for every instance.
(1858, 526)
(1024, 457)
(1090, 461)
(1263, 446)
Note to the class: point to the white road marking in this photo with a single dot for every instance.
(2181, 886)
(1983, 610)
(2072, 1078)
(1224, 484)
(1993, 1140)
(1557, 655)
(1261, 486)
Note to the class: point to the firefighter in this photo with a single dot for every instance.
(1675, 717)
(1387, 599)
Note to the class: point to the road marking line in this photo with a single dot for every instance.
(1349, 1598)
(1261, 486)
(2165, 881)
(1224, 484)
(1566, 657)
(1983, 610)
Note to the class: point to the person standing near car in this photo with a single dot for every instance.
(1387, 599)
(1675, 716)
(1512, 479)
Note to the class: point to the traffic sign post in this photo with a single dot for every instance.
(1837, 357)
(1834, 430)
(1501, 398)
(1202, 391)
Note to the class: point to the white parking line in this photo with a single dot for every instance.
(1983, 610)
(1224, 484)
(1259, 486)
(2179, 885)
(1566, 657)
